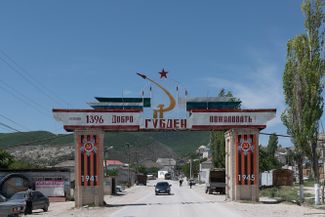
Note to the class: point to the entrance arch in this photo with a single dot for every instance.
(202, 114)
(242, 125)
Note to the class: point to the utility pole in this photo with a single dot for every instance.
(129, 177)
(191, 168)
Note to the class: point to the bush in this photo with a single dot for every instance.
(286, 193)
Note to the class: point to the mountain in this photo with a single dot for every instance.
(46, 148)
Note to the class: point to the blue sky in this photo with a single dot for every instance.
(81, 49)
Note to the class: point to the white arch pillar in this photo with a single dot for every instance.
(242, 164)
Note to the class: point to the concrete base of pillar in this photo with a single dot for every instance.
(93, 196)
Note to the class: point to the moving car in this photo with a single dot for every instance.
(39, 200)
(162, 188)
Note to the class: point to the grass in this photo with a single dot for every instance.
(286, 193)
(309, 183)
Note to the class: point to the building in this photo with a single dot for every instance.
(205, 168)
(52, 182)
(166, 164)
(203, 151)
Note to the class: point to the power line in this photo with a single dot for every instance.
(48, 139)
(5, 117)
(15, 130)
(286, 136)
(32, 81)
(9, 127)
(21, 97)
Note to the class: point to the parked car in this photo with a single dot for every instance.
(2, 198)
(162, 188)
(119, 190)
(217, 181)
(10, 209)
(39, 200)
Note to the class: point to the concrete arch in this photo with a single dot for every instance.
(24, 183)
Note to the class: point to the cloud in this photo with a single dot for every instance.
(257, 87)
(127, 92)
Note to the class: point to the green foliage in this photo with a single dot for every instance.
(112, 172)
(152, 170)
(20, 164)
(266, 161)
(217, 138)
(286, 193)
(272, 145)
(5, 159)
(290, 157)
(230, 96)
(302, 83)
(34, 138)
(217, 144)
(141, 169)
(195, 168)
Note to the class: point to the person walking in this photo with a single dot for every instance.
(29, 201)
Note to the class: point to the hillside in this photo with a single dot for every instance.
(46, 148)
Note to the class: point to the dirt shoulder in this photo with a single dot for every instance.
(114, 203)
(260, 209)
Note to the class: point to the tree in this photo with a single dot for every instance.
(5, 159)
(293, 85)
(272, 145)
(267, 161)
(217, 138)
(302, 86)
(217, 145)
(314, 72)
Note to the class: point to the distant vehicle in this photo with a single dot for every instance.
(141, 179)
(162, 188)
(168, 176)
(161, 174)
(40, 201)
(217, 181)
(10, 209)
(150, 177)
(119, 190)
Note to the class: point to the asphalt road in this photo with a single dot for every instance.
(183, 202)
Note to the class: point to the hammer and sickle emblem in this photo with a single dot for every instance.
(161, 109)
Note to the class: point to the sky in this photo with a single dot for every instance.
(61, 54)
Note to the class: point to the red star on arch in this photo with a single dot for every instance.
(163, 73)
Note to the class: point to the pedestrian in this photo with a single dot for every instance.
(29, 202)
(191, 184)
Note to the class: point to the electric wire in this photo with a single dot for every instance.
(23, 98)
(285, 136)
(37, 85)
(12, 121)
